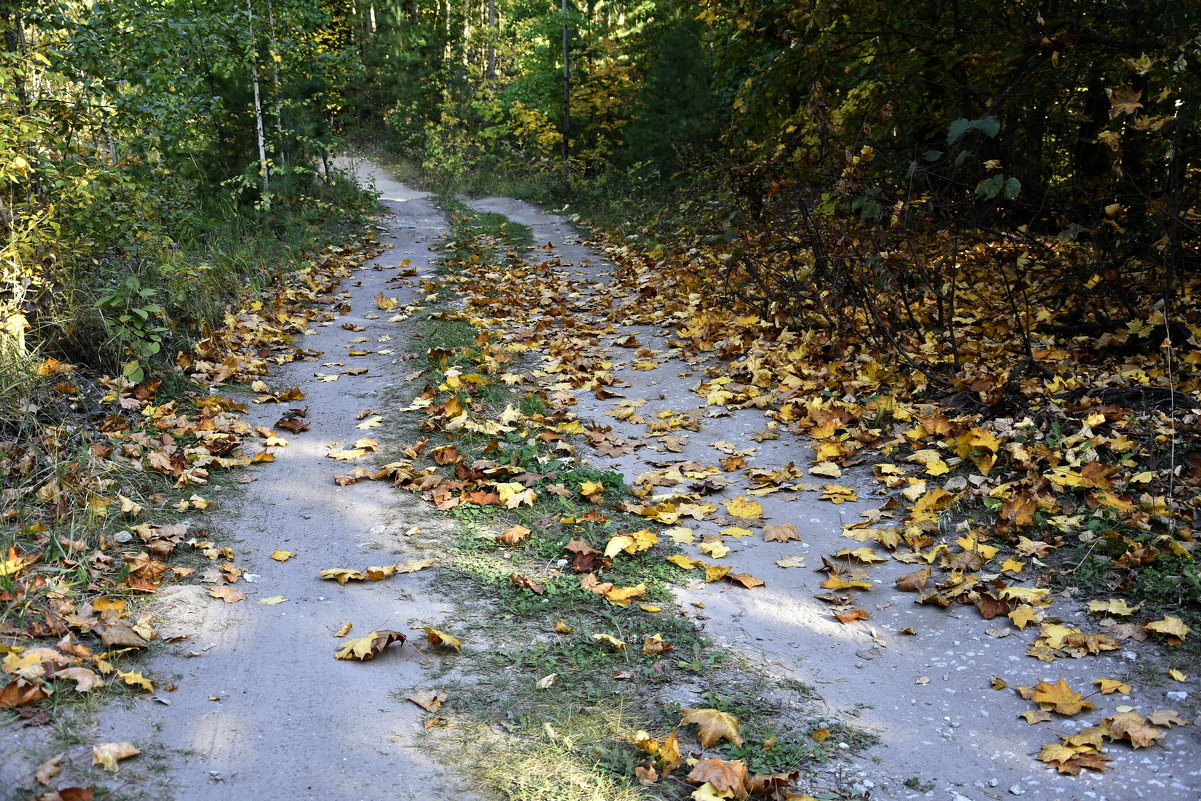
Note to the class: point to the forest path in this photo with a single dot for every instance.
(262, 709)
(927, 697)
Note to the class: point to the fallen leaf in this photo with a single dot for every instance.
(1166, 718)
(48, 769)
(1171, 628)
(1107, 686)
(744, 507)
(136, 680)
(107, 755)
(439, 638)
(272, 600)
(364, 648)
(344, 630)
(230, 595)
(429, 700)
(1133, 727)
(617, 644)
(282, 556)
(785, 532)
(513, 535)
(852, 616)
(723, 776)
(713, 725)
(1060, 697)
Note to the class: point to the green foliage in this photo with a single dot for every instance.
(136, 195)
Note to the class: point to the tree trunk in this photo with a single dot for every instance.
(260, 134)
(566, 91)
(490, 57)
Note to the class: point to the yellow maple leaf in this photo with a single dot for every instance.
(364, 648)
(1061, 697)
(136, 680)
(1024, 616)
(682, 561)
(714, 725)
(864, 555)
(1107, 686)
(439, 638)
(282, 556)
(744, 507)
(714, 548)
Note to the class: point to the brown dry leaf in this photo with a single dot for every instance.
(915, 581)
(525, 582)
(1166, 718)
(852, 616)
(655, 644)
(745, 579)
(364, 648)
(48, 769)
(1070, 759)
(1133, 727)
(513, 535)
(107, 755)
(68, 794)
(785, 532)
(714, 725)
(231, 595)
(724, 776)
(85, 680)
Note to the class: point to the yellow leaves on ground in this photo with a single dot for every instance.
(1107, 686)
(744, 508)
(282, 556)
(714, 725)
(634, 542)
(1171, 628)
(14, 563)
(136, 680)
(440, 638)
(618, 596)
(107, 755)
(361, 448)
(370, 646)
(343, 575)
(618, 645)
(726, 779)
(1057, 697)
